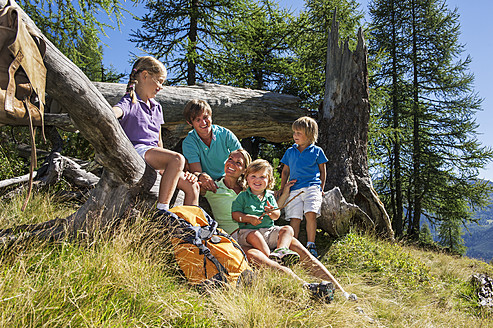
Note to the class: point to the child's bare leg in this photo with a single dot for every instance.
(286, 234)
(311, 226)
(172, 163)
(256, 257)
(295, 224)
(191, 190)
(311, 264)
(255, 239)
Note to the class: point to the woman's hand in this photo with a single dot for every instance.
(284, 193)
(288, 186)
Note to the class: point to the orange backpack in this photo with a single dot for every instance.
(205, 253)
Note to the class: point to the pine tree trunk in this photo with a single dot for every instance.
(413, 231)
(343, 127)
(396, 178)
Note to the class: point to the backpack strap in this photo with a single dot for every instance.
(196, 235)
(27, 50)
(33, 155)
(220, 268)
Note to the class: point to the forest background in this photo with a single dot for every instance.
(436, 180)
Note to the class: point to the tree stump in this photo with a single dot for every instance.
(343, 125)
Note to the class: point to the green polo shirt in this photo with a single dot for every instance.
(220, 203)
(248, 203)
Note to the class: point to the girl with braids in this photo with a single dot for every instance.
(141, 117)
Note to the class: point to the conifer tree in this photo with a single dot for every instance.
(450, 236)
(255, 52)
(430, 164)
(425, 234)
(75, 30)
(184, 33)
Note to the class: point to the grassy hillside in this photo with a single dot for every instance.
(127, 279)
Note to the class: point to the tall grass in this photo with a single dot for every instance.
(128, 279)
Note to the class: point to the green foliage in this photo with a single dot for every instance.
(10, 164)
(75, 145)
(428, 164)
(393, 265)
(425, 234)
(277, 174)
(74, 29)
(184, 33)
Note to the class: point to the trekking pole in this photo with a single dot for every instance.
(281, 207)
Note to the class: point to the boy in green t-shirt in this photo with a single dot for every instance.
(255, 211)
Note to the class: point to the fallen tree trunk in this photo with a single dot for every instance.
(246, 112)
(237, 109)
(13, 181)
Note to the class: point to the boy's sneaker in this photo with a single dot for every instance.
(323, 291)
(312, 249)
(276, 257)
(285, 256)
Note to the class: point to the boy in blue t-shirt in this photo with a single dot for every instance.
(304, 163)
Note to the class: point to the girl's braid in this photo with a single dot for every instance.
(132, 81)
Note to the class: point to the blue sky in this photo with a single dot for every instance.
(476, 36)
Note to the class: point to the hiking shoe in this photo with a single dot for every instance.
(323, 291)
(313, 250)
(286, 256)
(276, 257)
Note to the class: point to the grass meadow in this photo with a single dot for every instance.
(127, 278)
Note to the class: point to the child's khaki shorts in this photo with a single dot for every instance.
(270, 236)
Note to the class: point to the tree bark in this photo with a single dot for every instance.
(343, 125)
(337, 216)
(126, 177)
(125, 172)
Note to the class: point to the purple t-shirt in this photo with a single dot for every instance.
(141, 123)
